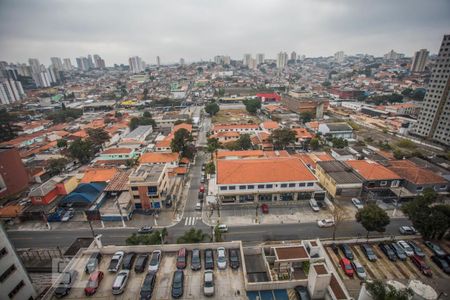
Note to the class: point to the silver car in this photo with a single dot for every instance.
(359, 270)
(120, 282)
(208, 283)
(154, 261)
(221, 258)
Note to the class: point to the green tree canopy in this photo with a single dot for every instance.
(339, 143)
(212, 145)
(8, 130)
(61, 143)
(193, 236)
(66, 115)
(98, 136)
(83, 150)
(252, 105)
(181, 142)
(244, 142)
(56, 165)
(314, 144)
(153, 238)
(282, 137)
(142, 121)
(326, 84)
(306, 116)
(210, 168)
(372, 218)
(212, 108)
(382, 291)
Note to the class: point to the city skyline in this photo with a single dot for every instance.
(199, 30)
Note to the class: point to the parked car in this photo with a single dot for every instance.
(265, 208)
(196, 260)
(201, 196)
(387, 250)
(325, 223)
(407, 230)
(223, 228)
(155, 261)
(441, 263)
(233, 254)
(421, 265)
(435, 248)
(202, 179)
(346, 266)
(346, 250)
(406, 247)
(209, 259)
(68, 215)
(120, 282)
(145, 229)
(208, 283)
(93, 283)
(335, 248)
(66, 283)
(116, 261)
(357, 203)
(399, 252)
(141, 263)
(302, 292)
(314, 206)
(177, 284)
(359, 270)
(92, 263)
(417, 250)
(198, 206)
(128, 260)
(148, 285)
(221, 258)
(181, 258)
(368, 251)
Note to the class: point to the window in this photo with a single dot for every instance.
(419, 188)
(269, 186)
(260, 186)
(16, 289)
(242, 187)
(3, 252)
(231, 188)
(136, 197)
(134, 188)
(152, 190)
(250, 187)
(284, 185)
(310, 184)
(291, 184)
(8, 272)
(383, 183)
(301, 184)
(395, 183)
(223, 188)
(443, 187)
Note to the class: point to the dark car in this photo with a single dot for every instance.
(141, 263)
(148, 286)
(368, 251)
(209, 259)
(234, 259)
(421, 265)
(93, 283)
(201, 195)
(302, 292)
(177, 284)
(398, 251)
(417, 250)
(196, 260)
(435, 248)
(93, 261)
(347, 251)
(441, 263)
(387, 250)
(128, 260)
(182, 258)
(66, 283)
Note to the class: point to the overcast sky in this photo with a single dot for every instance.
(200, 29)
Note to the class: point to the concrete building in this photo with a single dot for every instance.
(339, 56)
(293, 55)
(67, 64)
(57, 63)
(149, 185)
(139, 134)
(11, 91)
(158, 61)
(434, 118)
(247, 58)
(337, 130)
(339, 179)
(13, 175)
(419, 61)
(282, 59)
(259, 58)
(14, 280)
(136, 65)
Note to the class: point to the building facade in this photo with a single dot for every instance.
(13, 174)
(419, 61)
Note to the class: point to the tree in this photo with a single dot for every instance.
(62, 116)
(314, 144)
(212, 145)
(180, 141)
(61, 143)
(382, 291)
(372, 218)
(212, 108)
(252, 105)
(338, 215)
(244, 142)
(145, 120)
(98, 136)
(210, 168)
(145, 93)
(134, 123)
(153, 238)
(281, 138)
(147, 114)
(118, 115)
(407, 92)
(339, 143)
(326, 84)
(306, 116)
(83, 150)
(217, 234)
(193, 236)
(8, 130)
(56, 165)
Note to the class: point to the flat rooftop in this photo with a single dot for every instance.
(288, 253)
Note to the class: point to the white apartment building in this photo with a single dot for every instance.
(10, 91)
(282, 59)
(419, 60)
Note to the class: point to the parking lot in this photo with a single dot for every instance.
(227, 282)
(384, 269)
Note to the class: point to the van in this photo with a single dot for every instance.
(181, 258)
(222, 228)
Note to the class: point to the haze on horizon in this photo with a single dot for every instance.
(201, 29)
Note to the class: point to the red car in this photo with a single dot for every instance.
(181, 258)
(346, 266)
(265, 208)
(421, 265)
(202, 188)
(93, 283)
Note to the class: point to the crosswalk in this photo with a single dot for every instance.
(190, 221)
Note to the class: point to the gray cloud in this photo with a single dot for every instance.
(200, 29)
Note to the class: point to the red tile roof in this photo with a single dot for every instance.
(415, 174)
(371, 170)
(99, 175)
(157, 157)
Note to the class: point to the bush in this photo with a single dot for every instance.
(407, 144)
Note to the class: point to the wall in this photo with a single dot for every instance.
(13, 172)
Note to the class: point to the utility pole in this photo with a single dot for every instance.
(120, 212)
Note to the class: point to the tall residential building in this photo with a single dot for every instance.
(83, 63)
(226, 60)
(252, 64)
(282, 59)
(434, 119)
(293, 55)
(136, 64)
(35, 65)
(182, 61)
(158, 61)
(222, 59)
(67, 64)
(99, 62)
(339, 56)
(90, 62)
(392, 55)
(247, 58)
(259, 58)
(419, 60)
(10, 91)
(15, 282)
(57, 63)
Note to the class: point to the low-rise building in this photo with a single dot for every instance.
(52, 188)
(339, 179)
(13, 175)
(118, 154)
(139, 134)
(241, 128)
(155, 158)
(336, 130)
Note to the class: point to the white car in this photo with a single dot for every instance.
(406, 247)
(359, 269)
(155, 260)
(116, 261)
(198, 206)
(407, 230)
(208, 283)
(221, 258)
(357, 203)
(314, 206)
(325, 223)
(120, 282)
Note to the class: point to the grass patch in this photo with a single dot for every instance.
(230, 116)
(406, 144)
